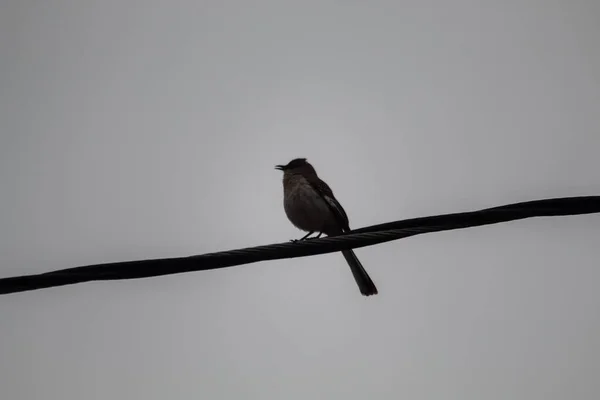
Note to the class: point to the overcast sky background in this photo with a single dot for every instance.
(149, 129)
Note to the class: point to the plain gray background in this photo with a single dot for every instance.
(147, 129)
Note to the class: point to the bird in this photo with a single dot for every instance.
(310, 206)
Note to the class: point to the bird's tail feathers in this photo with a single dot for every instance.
(363, 280)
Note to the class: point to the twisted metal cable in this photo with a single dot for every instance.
(358, 238)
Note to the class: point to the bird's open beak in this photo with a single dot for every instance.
(279, 167)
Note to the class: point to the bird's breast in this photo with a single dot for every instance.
(304, 207)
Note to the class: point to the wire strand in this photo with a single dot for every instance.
(362, 237)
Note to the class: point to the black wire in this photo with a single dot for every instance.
(358, 238)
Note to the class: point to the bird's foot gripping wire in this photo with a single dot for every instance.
(306, 237)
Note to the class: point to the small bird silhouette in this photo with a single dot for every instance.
(310, 205)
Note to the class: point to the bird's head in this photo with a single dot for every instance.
(297, 165)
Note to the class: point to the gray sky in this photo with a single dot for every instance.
(146, 129)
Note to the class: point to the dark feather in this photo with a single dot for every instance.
(336, 208)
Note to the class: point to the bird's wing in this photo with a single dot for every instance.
(336, 208)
